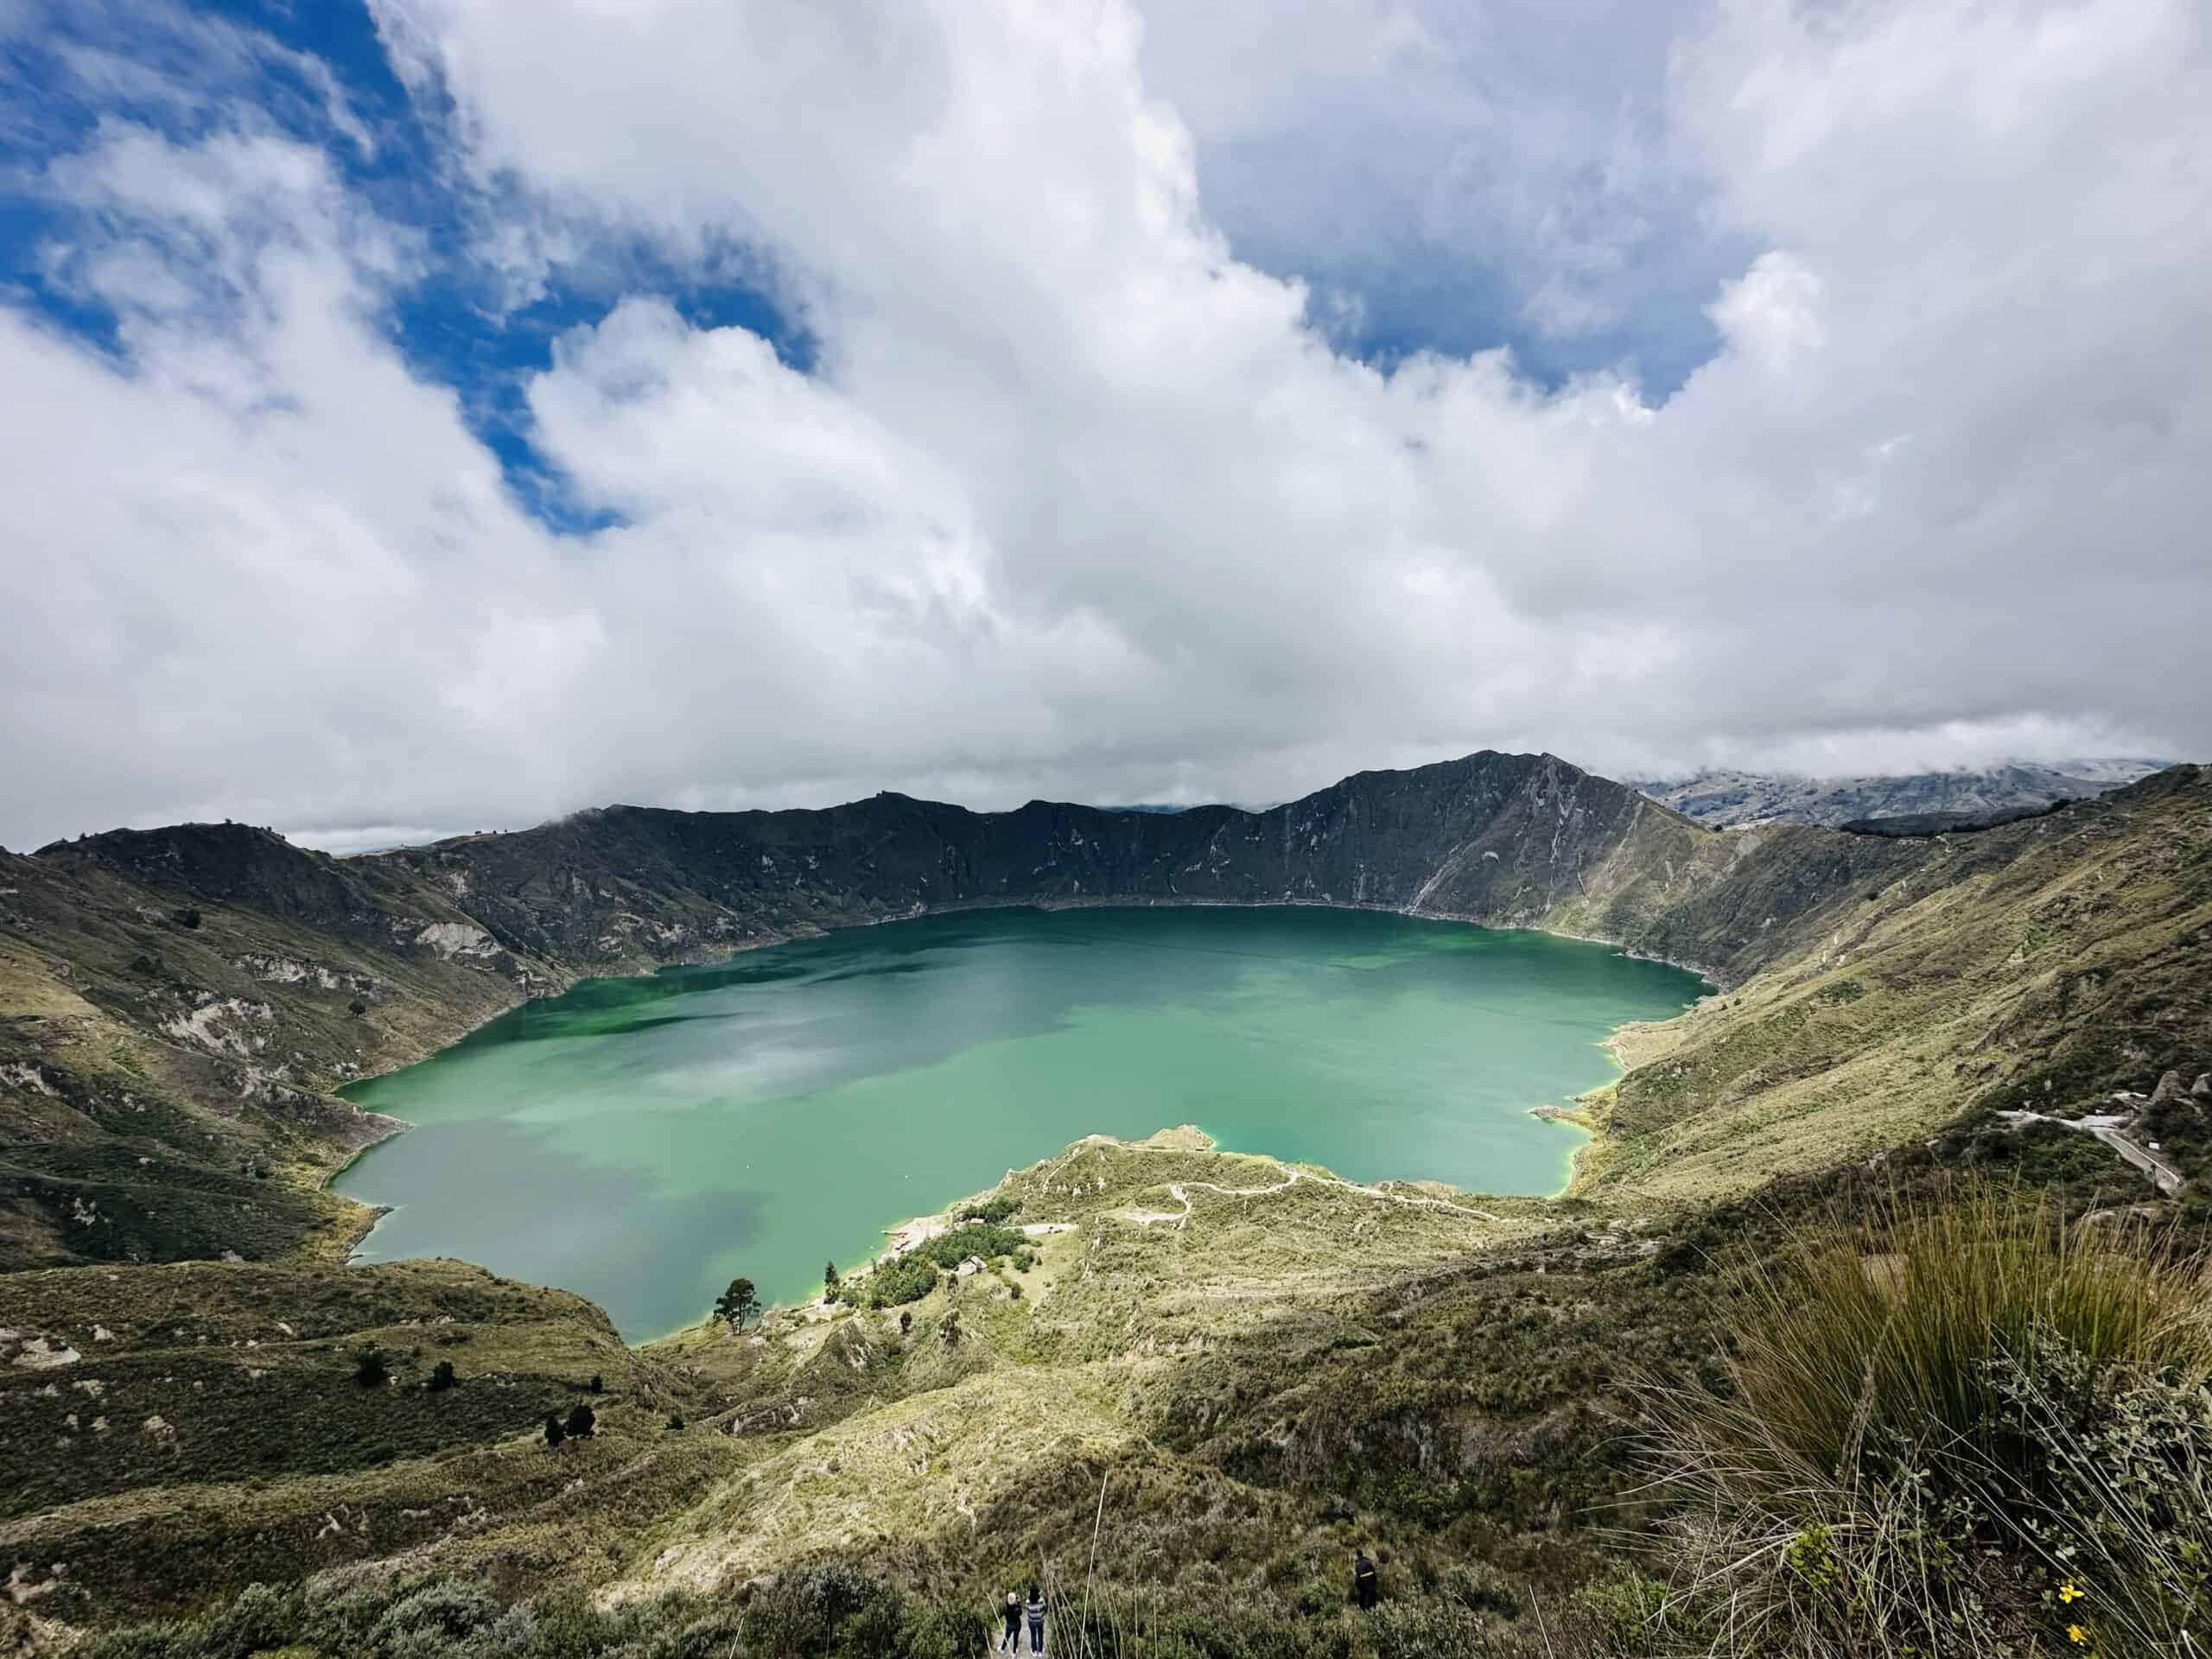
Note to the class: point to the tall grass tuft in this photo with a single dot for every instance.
(1939, 1416)
(1890, 1325)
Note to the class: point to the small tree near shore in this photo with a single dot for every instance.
(829, 1281)
(738, 1304)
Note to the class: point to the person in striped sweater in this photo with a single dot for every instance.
(1035, 1608)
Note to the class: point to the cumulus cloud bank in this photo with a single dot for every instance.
(1072, 493)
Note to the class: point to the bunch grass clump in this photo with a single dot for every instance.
(1890, 1326)
(1963, 1424)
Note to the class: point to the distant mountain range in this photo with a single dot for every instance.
(1726, 799)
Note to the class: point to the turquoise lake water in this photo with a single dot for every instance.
(643, 1141)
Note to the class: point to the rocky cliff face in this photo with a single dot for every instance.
(1522, 841)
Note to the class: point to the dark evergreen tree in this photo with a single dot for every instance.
(738, 1304)
(580, 1422)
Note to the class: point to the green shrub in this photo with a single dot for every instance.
(514, 1635)
(434, 1615)
(1429, 1629)
(262, 1616)
(801, 1614)
(989, 1211)
(896, 1283)
(932, 1631)
(135, 1641)
(1480, 1588)
(718, 1635)
(949, 1250)
(1624, 1608)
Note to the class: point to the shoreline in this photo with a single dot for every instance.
(392, 1128)
(1574, 1116)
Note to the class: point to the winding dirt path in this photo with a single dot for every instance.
(1180, 1191)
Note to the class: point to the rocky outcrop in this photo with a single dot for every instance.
(1724, 798)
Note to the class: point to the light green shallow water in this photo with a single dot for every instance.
(643, 1141)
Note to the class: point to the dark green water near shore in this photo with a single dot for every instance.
(642, 1141)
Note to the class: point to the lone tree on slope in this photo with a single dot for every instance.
(581, 1422)
(829, 1281)
(738, 1304)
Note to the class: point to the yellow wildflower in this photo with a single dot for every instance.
(2075, 1633)
(2070, 1592)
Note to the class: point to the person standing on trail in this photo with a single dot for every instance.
(1011, 1642)
(1036, 1612)
(1365, 1581)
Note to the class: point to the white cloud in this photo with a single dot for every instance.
(1771, 314)
(1076, 503)
(1496, 170)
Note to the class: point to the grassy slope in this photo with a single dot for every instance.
(2037, 964)
(1296, 1366)
(212, 1431)
(164, 1086)
(1174, 1257)
(1285, 1375)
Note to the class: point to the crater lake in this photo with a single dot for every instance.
(641, 1142)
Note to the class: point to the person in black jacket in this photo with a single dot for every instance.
(1365, 1581)
(1011, 1641)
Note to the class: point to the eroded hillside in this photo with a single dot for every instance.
(2038, 964)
